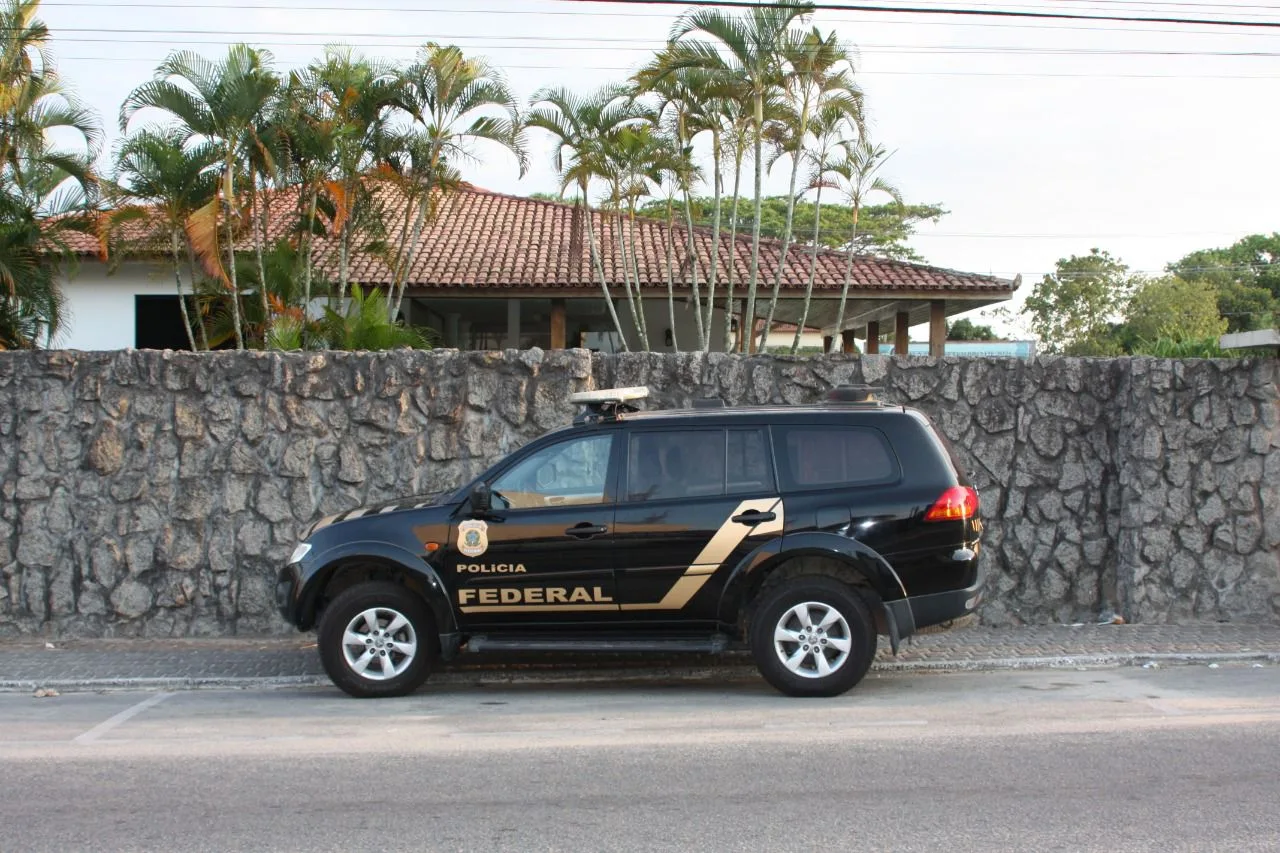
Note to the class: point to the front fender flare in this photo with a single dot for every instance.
(322, 567)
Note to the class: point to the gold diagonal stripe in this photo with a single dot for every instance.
(727, 538)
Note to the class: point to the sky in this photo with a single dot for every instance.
(1042, 139)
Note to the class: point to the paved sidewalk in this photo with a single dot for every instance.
(29, 663)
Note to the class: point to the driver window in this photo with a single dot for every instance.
(566, 474)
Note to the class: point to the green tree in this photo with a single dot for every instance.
(1174, 309)
(454, 101)
(1071, 310)
(46, 190)
(160, 182)
(965, 329)
(222, 103)
(747, 48)
(580, 127)
(1245, 276)
(857, 174)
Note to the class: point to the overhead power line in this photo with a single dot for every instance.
(927, 10)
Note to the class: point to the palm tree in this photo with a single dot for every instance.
(748, 48)
(450, 99)
(348, 114)
(221, 103)
(46, 191)
(819, 78)
(160, 183)
(827, 127)
(856, 171)
(580, 127)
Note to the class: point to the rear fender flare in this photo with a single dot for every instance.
(330, 562)
(879, 574)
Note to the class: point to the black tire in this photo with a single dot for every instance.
(383, 599)
(854, 620)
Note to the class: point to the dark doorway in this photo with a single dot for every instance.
(158, 323)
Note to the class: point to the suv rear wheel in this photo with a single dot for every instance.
(812, 636)
(376, 640)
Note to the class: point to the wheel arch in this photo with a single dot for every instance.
(811, 554)
(360, 562)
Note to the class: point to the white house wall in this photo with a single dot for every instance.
(100, 313)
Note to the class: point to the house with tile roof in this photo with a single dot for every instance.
(495, 271)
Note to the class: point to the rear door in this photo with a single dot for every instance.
(543, 557)
(692, 503)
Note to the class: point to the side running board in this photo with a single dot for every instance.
(705, 645)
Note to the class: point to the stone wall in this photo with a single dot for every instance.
(149, 493)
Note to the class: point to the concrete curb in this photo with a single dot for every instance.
(728, 672)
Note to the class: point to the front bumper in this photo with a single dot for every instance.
(288, 592)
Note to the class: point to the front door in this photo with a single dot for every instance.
(543, 557)
(694, 502)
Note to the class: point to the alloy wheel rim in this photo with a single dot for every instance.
(812, 639)
(379, 643)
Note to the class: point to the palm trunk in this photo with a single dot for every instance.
(754, 275)
(228, 200)
(626, 277)
(733, 248)
(599, 267)
(787, 226)
(191, 268)
(402, 274)
(635, 261)
(177, 277)
(813, 269)
(671, 293)
(848, 277)
(716, 156)
(306, 267)
(257, 223)
(693, 268)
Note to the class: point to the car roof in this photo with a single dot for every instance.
(654, 417)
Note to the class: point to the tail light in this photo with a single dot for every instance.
(956, 504)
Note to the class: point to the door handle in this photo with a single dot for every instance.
(586, 530)
(754, 517)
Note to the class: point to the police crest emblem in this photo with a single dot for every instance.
(473, 538)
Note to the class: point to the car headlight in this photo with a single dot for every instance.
(298, 553)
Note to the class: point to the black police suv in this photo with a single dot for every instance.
(799, 532)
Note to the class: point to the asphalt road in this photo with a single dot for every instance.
(1184, 758)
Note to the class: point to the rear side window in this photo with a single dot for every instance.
(825, 457)
(698, 463)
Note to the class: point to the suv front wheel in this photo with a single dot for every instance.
(812, 636)
(376, 640)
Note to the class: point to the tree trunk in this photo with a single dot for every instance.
(671, 295)
(813, 268)
(257, 223)
(182, 300)
(306, 266)
(754, 274)
(599, 267)
(191, 268)
(787, 226)
(229, 201)
(716, 157)
(635, 260)
(626, 277)
(733, 248)
(403, 272)
(848, 276)
(693, 268)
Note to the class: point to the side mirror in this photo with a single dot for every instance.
(481, 501)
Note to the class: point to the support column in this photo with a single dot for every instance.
(743, 327)
(937, 327)
(847, 342)
(451, 330)
(873, 337)
(902, 333)
(513, 324)
(557, 324)
(464, 334)
(827, 341)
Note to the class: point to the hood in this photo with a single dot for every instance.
(397, 505)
